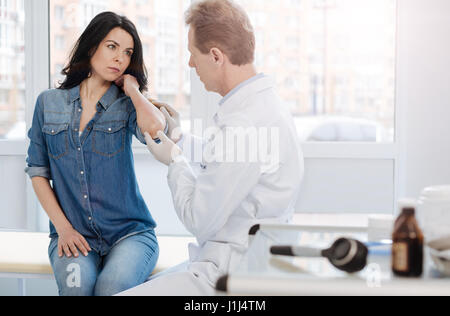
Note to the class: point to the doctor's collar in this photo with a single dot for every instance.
(240, 86)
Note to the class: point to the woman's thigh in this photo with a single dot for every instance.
(74, 276)
(129, 263)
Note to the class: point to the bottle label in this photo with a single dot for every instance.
(400, 256)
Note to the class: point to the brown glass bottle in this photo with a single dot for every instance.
(407, 245)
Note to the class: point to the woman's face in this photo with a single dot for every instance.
(113, 55)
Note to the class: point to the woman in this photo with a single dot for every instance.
(102, 234)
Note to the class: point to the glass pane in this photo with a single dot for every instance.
(12, 70)
(162, 31)
(334, 63)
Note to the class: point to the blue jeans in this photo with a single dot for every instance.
(129, 263)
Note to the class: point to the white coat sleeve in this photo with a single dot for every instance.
(205, 202)
(192, 147)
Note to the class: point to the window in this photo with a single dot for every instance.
(59, 42)
(162, 31)
(333, 62)
(12, 70)
(59, 13)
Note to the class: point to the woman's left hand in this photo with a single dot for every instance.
(128, 83)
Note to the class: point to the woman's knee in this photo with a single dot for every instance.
(108, 285)
(129, 264)
(120, 275)
(75, 276)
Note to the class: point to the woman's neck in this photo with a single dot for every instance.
(93, 88)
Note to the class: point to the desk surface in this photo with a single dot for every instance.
(262, 273)
(24, 252)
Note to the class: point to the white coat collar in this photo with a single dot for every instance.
(235, 102)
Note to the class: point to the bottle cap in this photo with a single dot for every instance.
(408, 211)
(406, 202)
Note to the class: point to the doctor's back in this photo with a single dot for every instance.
(262, 188)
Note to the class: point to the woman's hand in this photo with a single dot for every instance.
(128, 83)
(148, 117)
(70, 241)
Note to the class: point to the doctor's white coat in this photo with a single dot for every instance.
(221, 202)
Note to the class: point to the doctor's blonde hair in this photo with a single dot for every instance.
(225, 25)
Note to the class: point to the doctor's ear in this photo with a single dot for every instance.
(217, 56)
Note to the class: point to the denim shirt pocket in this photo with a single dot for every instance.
(57, 139)
(109, 138)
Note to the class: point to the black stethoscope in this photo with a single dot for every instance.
(345, 254)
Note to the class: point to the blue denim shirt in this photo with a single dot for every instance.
(93, 174)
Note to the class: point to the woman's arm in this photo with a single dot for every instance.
(149, 118)
(69, 240)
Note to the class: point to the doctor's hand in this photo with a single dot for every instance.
(173, 119)
(166, 151)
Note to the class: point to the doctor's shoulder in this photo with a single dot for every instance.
(265, 101)
(241, 120)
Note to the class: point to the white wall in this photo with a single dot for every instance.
(152, 178)
(424, 92)
(347, 186)
(12, 193)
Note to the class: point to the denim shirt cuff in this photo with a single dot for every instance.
(140, 135)
(38, 172)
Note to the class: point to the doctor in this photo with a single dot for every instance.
(221, 202)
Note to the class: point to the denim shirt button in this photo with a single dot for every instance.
(85, 196)
(82, 172)
(90, 218)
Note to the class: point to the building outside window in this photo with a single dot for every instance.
(334, 64)
(12, 70)
(161, 27)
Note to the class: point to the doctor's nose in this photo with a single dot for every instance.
(191, 63)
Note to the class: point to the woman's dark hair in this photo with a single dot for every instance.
(79, 67)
